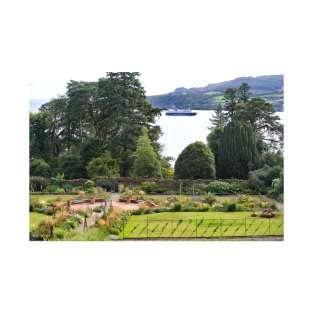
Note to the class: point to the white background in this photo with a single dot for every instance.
(44, 39)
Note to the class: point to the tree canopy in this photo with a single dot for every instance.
(237, 152)
(103, 165)
(196, 161)
(244, 130)
(94, 117)
(146, 163)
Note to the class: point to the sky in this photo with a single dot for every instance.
(171, 43)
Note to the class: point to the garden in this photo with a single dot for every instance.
(92, 213)
(101, 179)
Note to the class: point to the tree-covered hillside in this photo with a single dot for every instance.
(270, 88)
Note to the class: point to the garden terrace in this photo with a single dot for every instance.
(151, 186)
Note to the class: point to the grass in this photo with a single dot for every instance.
(45, 198)
(201, 225)
(91, 234)
(36, 218)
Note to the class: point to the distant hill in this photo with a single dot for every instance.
(270, 88)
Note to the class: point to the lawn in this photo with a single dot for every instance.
(36, 218)
(45, 198)
(92, 234)
(200, 225)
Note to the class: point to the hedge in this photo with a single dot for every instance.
(186, 186)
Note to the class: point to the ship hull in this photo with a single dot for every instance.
(181, 114)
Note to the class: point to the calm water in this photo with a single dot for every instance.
(180, 131)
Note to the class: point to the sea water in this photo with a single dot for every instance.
(180, 131)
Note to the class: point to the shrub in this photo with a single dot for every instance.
(241, 187)
(196, 161)
(108, 185)
(59, 233)
(218, 207)
(120, 188)
(219, 187)
(72, 166)
(177, 207)
(149, 187)
(97, 209)
(264, 177)
(204, 208)
(89, 186)
(35, 204)
(140, 211)
(161, 190)
(103, 165)
(210, 198)
(39, 167)
(51, 188)
(231, 207)
(45, 229)
(113, 231)
(67, 187)
(256, 183)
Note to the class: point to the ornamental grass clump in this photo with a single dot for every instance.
(45, 229)
(210, 198)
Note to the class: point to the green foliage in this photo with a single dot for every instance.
(177, 207)
(210, 198)
(71, 166)
(103, 165)
(39, 167)
(39, 141)
(59, 233)
(264, 176)
(90, 149)
(94, 117)
(138, 212)
(167, 170)
(196, 161)
(219, 187)
(149, 187)
(237, 151)
(91, 234)
(113, 231)
(146, 163)
(60, 176)
(214, 139)
(89, 186)
(251, 134)
(35, 204)
(53, 188)
(277, 189)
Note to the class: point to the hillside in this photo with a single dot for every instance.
(270, 87)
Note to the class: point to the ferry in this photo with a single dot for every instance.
(178, 112)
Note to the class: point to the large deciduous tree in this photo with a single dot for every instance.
(39, 145)
(94, 117)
